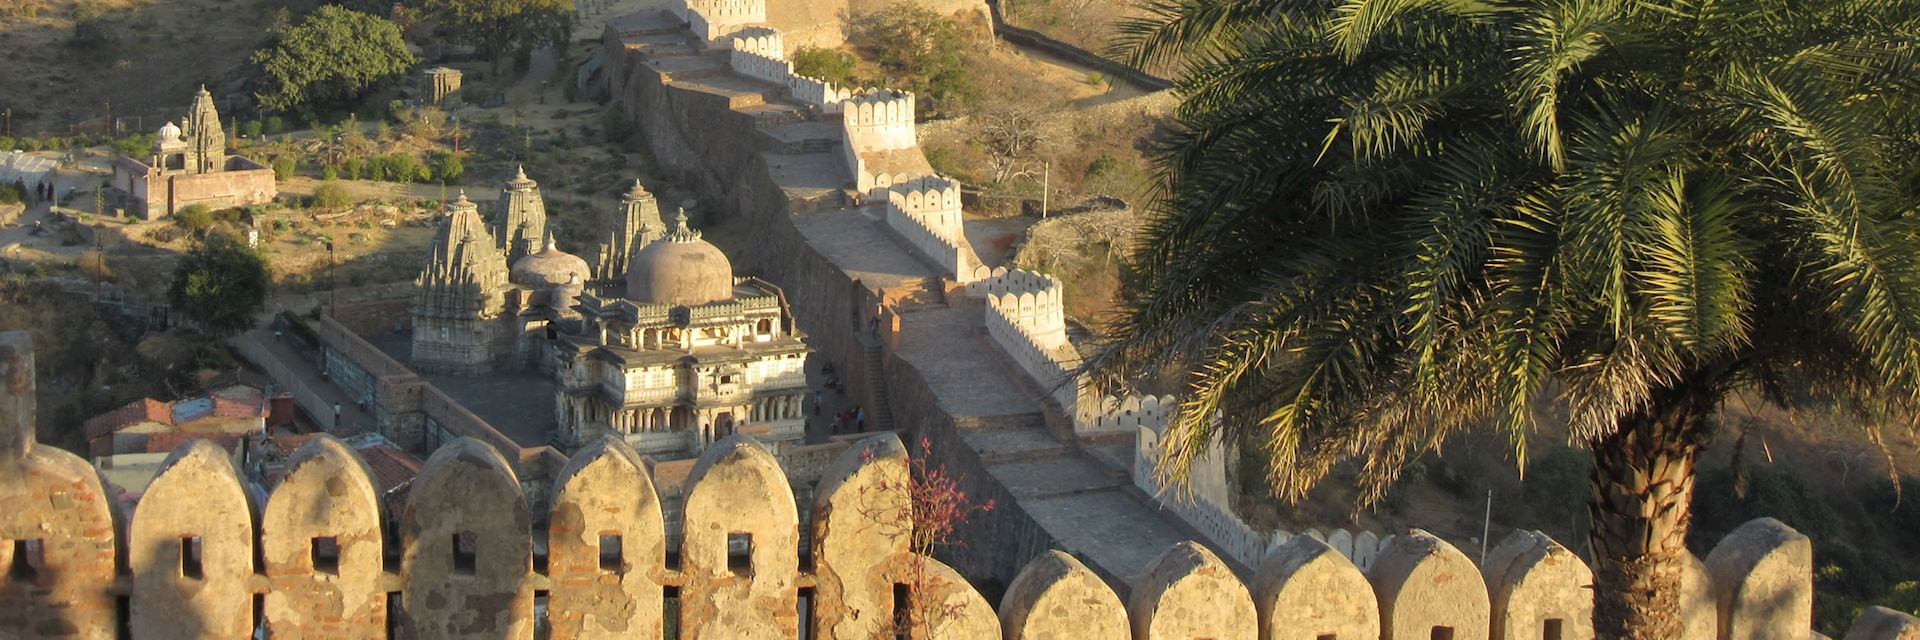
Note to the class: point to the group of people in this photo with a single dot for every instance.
(852, 420)
(41, 191)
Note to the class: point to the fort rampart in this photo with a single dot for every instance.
(200, 556)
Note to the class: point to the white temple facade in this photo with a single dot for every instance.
(685, 354)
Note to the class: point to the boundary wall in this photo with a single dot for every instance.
(1026, 317)
(190, 561)
(926, 213)
(412, 412)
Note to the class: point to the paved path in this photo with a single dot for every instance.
(290, 370)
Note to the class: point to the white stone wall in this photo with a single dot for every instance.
(926, 212)
(760, 52)
(879, 121)
(713, 20)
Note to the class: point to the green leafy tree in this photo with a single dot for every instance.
(497, 26)
(331, 56)
(1382, 223)
(448, 166)
(920, 51)
(831, 65)
(194, 217)
(220, 284)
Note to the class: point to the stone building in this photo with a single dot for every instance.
(639, 225)
(689, 355)
(659, 344)
(190, 166)
(546, 286)
(460, 299)
(521, 223)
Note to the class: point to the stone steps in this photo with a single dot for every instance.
(880, 415)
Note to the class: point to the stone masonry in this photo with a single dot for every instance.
(196, 565)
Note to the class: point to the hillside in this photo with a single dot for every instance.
(69, 61)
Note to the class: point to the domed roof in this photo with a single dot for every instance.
(170, 133)
(550, 267)
(680, 269)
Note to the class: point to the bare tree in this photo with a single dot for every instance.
(1015, 135)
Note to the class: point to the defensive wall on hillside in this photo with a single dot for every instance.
(707, 114)
(193, 560)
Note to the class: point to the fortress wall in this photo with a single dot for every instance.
(711, 148)
(198, 564)
(879, 121)
(1016, 538)
(926, 212)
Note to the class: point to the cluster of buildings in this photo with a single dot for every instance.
(655, 340)
(255, 427)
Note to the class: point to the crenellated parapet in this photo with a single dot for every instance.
(879, 121)
(926, 213)
(932, 202)
(715, 20)
(199, 565)
(766, 42)
(759, 52)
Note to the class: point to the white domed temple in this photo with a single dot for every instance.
(687, 356)
(670, 351)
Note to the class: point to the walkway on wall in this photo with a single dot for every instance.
(1082, 499)
(299, 375)
(1086, 505)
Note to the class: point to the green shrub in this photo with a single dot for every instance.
(352, 167)
(831, 65)
(403, 167)
(275, 125)
(331, 196)
(449, 167)
(377, 168)
(10, 194)
(251, 128)
(329, 172)
(194, 217)
(284, 166)
(6, 143)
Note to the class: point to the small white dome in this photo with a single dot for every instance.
(170, 133)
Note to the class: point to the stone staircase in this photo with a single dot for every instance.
(879, 407)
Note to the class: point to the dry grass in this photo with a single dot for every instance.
(159, 52)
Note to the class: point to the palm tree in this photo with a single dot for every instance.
(1382, 222)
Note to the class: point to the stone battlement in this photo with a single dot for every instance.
(926, 212)
(934, 200)
(463, 564)
(714, 20)
(765, 41)
(879, 121)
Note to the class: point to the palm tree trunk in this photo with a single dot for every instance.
(1641, 506)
